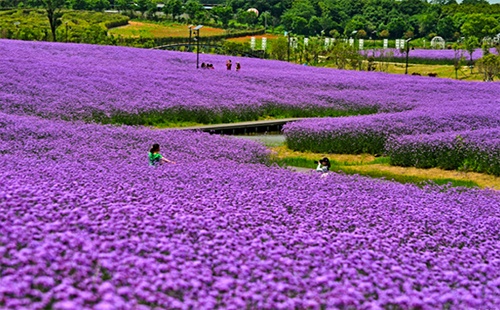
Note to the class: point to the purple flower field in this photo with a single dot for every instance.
(369, 133)
(86, 224)
(135, 86)
(465, 107)
(477, 150)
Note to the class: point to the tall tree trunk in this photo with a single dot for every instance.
(50, 15)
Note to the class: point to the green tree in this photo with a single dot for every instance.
(446, 27)
(443, 2)
(314, 25)
(331, 9)
(246, 17)
(374, 14)
(78, 4)
(427, 23)
(143, 6)
(290, 21)
(458, 57)
(474, 2)
(192, 7)
(274, 7)
(489, 66)
(486, 49)
(235, 48)
(298, 15)
(413, 24)
(201, 15)
(223, 14)
(357, 23)
(334, 33)
(302, 8)
(313, 50)
(342, 53)
(470, 46)
(326, 23)
(361, 34)
(353, 7)
(299, 25)
(53, 9)
(173, 7)
(122, 5)
(278, 48)
(480, 26)
(397, 27)
(384, 34)
(98, 5)
(412, 7)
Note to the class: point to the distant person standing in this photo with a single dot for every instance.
(229, 65)
(238, 66)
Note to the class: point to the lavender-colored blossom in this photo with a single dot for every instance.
(477, 150)
(86, 224)
(138, 86)
(358, 134)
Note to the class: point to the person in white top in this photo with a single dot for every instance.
(323, 165)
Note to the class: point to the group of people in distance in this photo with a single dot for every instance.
(207, 66)
(229, 65)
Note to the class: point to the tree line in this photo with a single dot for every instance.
(337, 18)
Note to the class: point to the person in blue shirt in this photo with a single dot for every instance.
(155, 158)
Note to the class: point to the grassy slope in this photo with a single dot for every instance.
(153, 30)
(33, 18)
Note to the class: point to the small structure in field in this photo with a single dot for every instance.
(438, 42)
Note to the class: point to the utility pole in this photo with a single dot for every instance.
(190, 33)
(265, 19)
(17, 29)
(288, 50)
(407, 52)
(66, 23)
(196, 31)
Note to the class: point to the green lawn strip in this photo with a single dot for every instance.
(404, 179)
(419, 61)
(380, 160)
(176, 125)
(179, 116)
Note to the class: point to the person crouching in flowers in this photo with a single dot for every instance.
(323, 165)
(156, 158)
